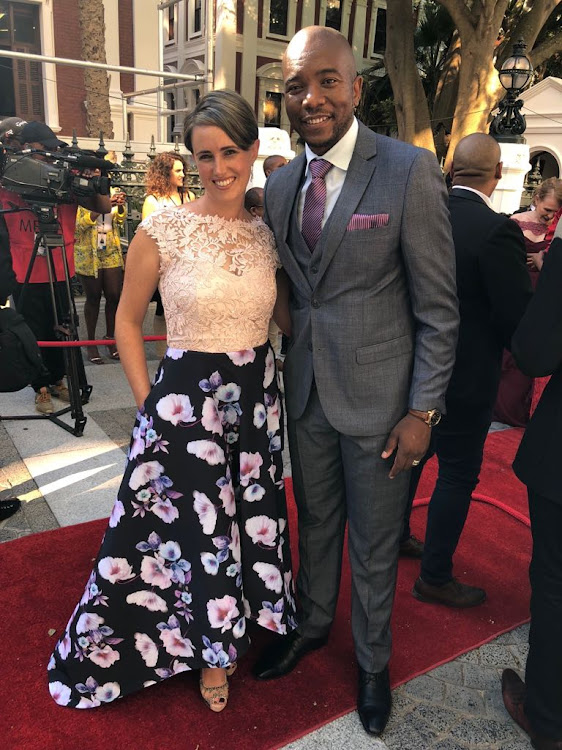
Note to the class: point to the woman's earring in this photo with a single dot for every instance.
(252, 173)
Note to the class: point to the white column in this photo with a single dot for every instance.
(111, 18)
(50, 94)
(359, 31)
(249, 55)
(308, 7)
(145, 40)
(506, 198)
(225, 45)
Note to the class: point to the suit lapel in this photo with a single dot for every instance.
(359, 175)
(286, 193)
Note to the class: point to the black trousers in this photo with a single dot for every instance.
(543, 677)
(37, 308)
(458, 442)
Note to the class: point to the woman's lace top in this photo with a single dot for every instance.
(217, 279)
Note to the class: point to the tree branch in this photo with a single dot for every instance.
(459, 12)
(546, 49)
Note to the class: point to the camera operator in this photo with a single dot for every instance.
(18, 231)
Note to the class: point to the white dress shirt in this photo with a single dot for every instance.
(340, 156)
(485, 198)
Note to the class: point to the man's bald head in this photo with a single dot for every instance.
(314, 38)
(477, 162)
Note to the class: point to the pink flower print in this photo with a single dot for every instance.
(148, 599)
(155, 574)
(88, 621)
(108, 692)
(249, 467)
(269, 369)
(273, 416)
(259, 415)
(206, 511)
(144, 473)
(270, 575)
(174, 644)
(221, 612)
(210, 419)
(104, 656)
(147, 649)
(64, 646)
(234, 545)
(165, 510)
(115, 569)
(243, 357)
(175, 408)
(137, 446)
(271, 620)
(253, 492)
(227, 496)
(210, 452)
(240, 628)
(116, 514)
(172, 353)
(228, 393)
(262, 530)
(60, 693)
(87, 703)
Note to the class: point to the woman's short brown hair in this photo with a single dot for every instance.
(228, 111)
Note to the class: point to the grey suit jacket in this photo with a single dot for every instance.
(375, 323)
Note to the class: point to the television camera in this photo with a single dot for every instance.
(52, 177)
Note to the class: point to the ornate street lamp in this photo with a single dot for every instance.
(509, 124)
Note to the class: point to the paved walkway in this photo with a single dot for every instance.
(65, 480)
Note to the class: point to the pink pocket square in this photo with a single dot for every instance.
(367, 221)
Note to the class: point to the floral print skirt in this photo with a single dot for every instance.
(197, 542)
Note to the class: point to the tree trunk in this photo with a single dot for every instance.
(92, 33)
(412, 113)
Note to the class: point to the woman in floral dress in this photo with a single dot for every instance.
(197, 542)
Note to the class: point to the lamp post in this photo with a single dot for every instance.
(509, 124)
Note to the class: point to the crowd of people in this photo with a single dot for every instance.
(397, 304)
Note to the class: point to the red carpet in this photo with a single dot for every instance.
(42, 576)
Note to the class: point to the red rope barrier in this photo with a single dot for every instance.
(92, 342)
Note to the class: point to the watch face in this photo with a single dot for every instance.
(434, 417)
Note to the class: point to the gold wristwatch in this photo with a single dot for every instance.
(430, 418)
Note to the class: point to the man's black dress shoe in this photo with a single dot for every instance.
(283, 656)
(8, 507)
(374, 700)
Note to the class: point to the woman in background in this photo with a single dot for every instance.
(165, 188)
(99, 267)
(515, 393)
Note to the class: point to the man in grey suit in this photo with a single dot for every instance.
(363, 234)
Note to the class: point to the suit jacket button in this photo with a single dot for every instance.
(315, 302)
(314, 269)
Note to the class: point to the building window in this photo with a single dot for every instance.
(379, 44)
(333, 14)
(197, 17)
(21, 82)
(171, 23)
(272, 109)
(278, 13)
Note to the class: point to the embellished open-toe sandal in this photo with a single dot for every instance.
(215, 697)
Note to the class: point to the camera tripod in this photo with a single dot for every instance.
(49, 239)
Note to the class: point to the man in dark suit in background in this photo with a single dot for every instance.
(536, 705)
(494, 288)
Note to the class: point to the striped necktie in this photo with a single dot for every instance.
(315, 202)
